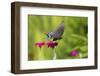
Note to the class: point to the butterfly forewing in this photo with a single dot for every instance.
(59, 31)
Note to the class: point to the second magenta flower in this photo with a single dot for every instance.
(52, 44)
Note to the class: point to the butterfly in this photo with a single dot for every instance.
(56, 34)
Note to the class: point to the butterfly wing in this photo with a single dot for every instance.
(59, 31)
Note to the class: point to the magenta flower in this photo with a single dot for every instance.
(74, 53)
(40, 44)
(52, 44)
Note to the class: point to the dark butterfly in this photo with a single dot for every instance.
(57, 34)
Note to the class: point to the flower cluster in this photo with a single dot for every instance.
(50, 44)
(40, 44)
(74, 53)
(53, 44)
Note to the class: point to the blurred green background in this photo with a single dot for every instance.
(75, 37)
